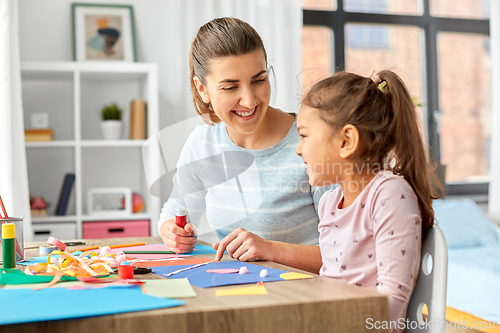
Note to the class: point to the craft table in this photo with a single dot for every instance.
(311, 305)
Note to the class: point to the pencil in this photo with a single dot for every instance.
(127, 245)
(3, 208)
(149, 252)
(95, 247)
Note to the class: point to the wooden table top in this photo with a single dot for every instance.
(311, 305)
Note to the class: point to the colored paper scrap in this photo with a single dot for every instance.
(170, 288)
(295, 276)
(172, 262)
(15, 276)
(199, 277)
(242, 291)
(86, 303)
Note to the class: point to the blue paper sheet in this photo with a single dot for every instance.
(25, 305)
(201, 249)
(199, 276)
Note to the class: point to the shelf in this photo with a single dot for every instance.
(72, 93)
(65, 218)
(110, 217)
(112, 143)
(50, 144)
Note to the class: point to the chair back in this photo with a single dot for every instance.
(430, 288)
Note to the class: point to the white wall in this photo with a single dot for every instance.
(164, 30)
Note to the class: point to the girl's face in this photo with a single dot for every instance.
(239, 90)
(318, 147)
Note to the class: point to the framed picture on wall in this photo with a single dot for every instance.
(103, 32)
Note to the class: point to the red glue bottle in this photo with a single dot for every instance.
(180, 216)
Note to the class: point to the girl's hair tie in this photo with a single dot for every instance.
(382, 85)
(375, 78)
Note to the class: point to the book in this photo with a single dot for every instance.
(37, 135)
(137, 119)
(62, 203)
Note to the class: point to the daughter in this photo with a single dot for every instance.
(363, 133)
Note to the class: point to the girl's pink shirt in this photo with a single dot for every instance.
(375, 242)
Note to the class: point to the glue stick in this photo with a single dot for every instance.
(180, 216)
(9, 245)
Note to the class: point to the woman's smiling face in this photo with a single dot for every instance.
(239, 90)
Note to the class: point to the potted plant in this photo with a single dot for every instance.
(111, 123)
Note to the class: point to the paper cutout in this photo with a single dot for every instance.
(199, 277)
(15, 276)
(242, 291)
(170, 288)
(85, 304)
(191, 261)
(295, 276)
(223, 270)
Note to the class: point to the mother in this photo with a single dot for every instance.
(267, 212)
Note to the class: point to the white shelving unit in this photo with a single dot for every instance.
(72, 93)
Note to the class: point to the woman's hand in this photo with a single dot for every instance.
(177, 239)
(244, 245)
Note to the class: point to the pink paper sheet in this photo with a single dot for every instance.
(149, 247)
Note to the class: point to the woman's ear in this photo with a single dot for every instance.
(349, 136)
(201, 89)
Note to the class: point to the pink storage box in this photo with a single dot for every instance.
(112, 229)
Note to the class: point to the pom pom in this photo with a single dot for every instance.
(243, 270)
(121, 257)
(113, 263)
(104, 250)
(263, 273)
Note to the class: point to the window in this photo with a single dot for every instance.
(366, 6)
(367, 36)
(317, 55)
(431, 44)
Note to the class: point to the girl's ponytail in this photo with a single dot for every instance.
(408, 155)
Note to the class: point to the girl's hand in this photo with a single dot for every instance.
(176, 238)
(243, 246)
